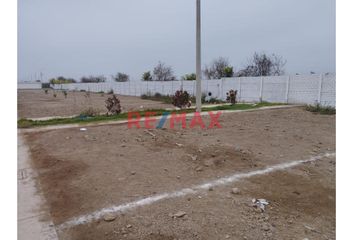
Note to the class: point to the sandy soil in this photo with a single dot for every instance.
(81, 172)
(36, 104)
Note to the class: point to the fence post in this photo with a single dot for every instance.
(222, 88)
(239, 87)
(261, 90)
(319, 89)
(287, 89)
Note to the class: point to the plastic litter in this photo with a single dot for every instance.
(260, 203)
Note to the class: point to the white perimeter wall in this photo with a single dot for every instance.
(29, 85)
(302, 89)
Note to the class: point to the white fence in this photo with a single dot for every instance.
(302, 89)
(29, 85)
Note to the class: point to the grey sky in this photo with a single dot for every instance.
(82, 37)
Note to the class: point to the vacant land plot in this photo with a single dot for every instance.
(81, 172)
(37, 104)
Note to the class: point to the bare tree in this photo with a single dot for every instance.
(163, 73)
(263, 65)
(218, 69)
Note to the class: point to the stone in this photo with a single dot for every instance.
(109, 217)
(194, 157)
(199, 169)
(265, 227)
(179, 214)
(235, 191)
(208, 163)
(129, 226)
(133, 173)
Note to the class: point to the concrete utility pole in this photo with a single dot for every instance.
(198, 61)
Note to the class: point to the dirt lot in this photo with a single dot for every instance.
(81, 172)
(36, 104)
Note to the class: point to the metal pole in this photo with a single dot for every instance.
(198, 61)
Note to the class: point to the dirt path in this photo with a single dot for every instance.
(34, 222)
(82, 172)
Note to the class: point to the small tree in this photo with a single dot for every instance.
(218, 69)
(121, 77)
(163, 73)
(147, 76)
(113, 105)
(181, 99)
(231, 96)
(190, 77)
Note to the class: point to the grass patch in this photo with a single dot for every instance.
(27, 123)
(327, 110)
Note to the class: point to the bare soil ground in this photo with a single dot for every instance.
(81, 172)
(36, 104)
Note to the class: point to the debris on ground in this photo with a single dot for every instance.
(83, 129)
(193, 157)
(150, 133)
(310, 228)
(260, 203)
(179, 145)
(109, 217)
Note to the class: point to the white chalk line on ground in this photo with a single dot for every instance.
(183, 192)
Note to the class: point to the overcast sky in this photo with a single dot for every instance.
(82, 37)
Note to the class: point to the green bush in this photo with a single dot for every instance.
(190, 77)
(147, 76)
